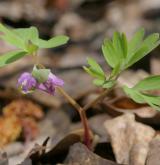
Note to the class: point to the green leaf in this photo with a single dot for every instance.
(98, 82)
(152, 98)
(110, 54)
(147, 46)
(28, 34)
(40, 74)
(156, 107)
(51, 43)
(117, 44)
(109, 84)
(149, 83)
(124, 44)
(135, 95)
(10, 37)
(120, 45)
(91, 72)
(151, 39)
(135, 42)
(11, 57)
(31, 48)
(95, 67)
(115, 72)
(153, 101)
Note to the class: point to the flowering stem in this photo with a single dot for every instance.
(87, 138)
(70, 99)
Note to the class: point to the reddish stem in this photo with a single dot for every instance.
(87, 138)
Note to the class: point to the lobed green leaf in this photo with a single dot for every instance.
(96, 68)
(109, 84)
(10, 37)
(149, 83)
(135, 42)
(120, 45)
(109, 53)
(51, 43)
(146, 47)
(135, 95)
(27, 34)
(124, 43)
(117, 44)
(98, 82)
(92, 72)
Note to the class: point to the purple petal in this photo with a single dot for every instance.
(24, 76)
(55, 80)
(47, 88)
(27, 82)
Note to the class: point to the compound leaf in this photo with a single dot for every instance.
(147, 46)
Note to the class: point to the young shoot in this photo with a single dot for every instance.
(119, 53)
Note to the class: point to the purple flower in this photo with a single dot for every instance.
(27, 82)
(50, 85)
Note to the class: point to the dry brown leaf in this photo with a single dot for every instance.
(23, 108)
(25, 113)
(10, 129)
(123, 104)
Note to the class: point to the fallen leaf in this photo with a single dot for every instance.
(10, 129)
(23, 108)
(123, 104)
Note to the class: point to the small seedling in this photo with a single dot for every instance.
(119, 54)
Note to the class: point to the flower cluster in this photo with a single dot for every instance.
(28, 83)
